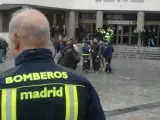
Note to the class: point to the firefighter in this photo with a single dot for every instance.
(36, 88)
(86, 56)
(107, 54)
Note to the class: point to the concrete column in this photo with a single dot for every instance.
(1, 21)
(54, 19)
(66, 22)
(140, 24)
(77, 18)
(66, 19)
(71, 23)
(99, 19)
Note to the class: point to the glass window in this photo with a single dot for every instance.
(87, 16)
(125, 30)
(87, 28)
(118, 16)
(152, 17)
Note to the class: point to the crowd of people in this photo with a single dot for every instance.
(97, 51)
(67, 53)
(148, 37)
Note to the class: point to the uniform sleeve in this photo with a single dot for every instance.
(95, 108)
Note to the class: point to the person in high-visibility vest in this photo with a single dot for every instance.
(107, 38)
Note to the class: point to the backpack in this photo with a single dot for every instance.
(86, 48)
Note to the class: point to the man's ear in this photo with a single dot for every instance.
(16, 42)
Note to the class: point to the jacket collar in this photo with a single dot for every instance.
(34, 55)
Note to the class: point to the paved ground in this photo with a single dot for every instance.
(132, 90)
(133, 83)
(130, 93)
(144, 114)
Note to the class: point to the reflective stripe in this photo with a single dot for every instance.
(85, 54)
(75, 102)
(67, 102)
(71, 102)
(9, 104)
(14, 104)
(3, 104)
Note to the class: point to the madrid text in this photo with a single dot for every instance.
(43, 93)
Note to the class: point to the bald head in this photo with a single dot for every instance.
(30, 27)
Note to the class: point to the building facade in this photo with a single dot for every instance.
(122, 15)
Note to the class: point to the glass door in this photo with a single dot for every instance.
(134, 40)
(60, 19)
(119, 33)
(125, 35)
(89, 29)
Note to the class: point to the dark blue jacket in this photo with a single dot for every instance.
(85, 48)
(38, 89)
(108, 50)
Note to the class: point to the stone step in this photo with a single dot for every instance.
(155, 50)
(154, 56)
(133, 52)
(129, 53)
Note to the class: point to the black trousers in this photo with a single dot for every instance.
(108, 65)
(86, 63)
(94, 63)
